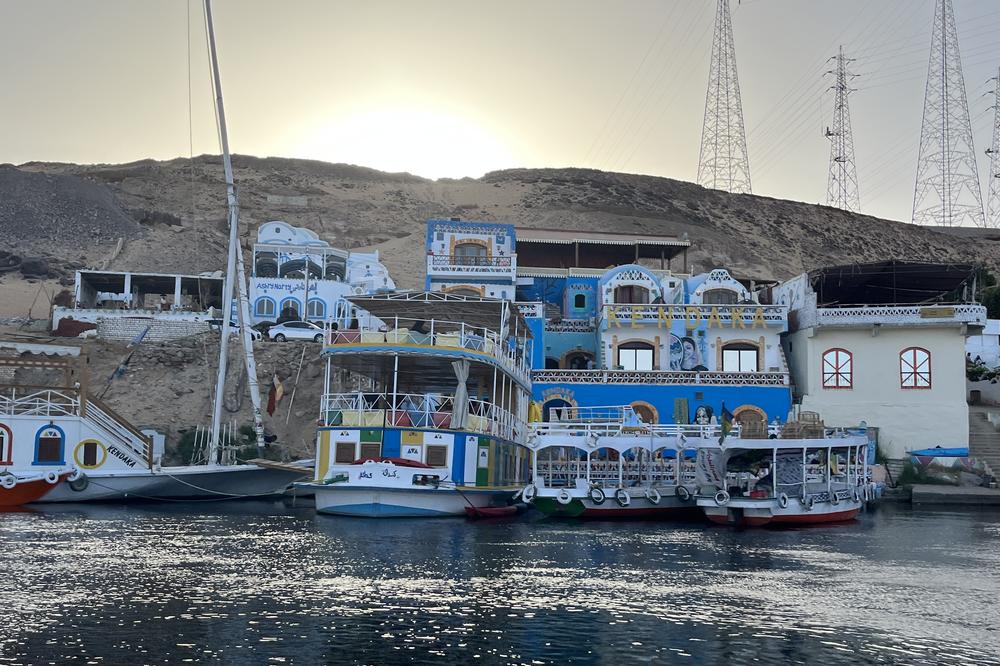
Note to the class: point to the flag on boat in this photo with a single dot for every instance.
(274, 395)
(726, 419)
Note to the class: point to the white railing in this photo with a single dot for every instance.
(456, 265)
(570, 326)
(15, 401)
(613, 428)
(910, 315)
(660, 377)
(417, 410)
(123, 435)
(693, 316)
(440, 334)
(613, 473)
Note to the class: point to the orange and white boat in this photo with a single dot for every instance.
(19, 489)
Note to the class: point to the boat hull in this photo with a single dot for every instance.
(758, 513)
(178, 483)
(379, 502)
(638, 508)
(26, 492)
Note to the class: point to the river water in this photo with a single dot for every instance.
(260, 583)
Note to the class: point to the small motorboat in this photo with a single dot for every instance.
(16, 489)
(491, 511)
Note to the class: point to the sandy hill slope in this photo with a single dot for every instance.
(172, 215)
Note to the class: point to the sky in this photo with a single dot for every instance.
(451, 88)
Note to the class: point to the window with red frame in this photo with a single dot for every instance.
(838, 369)
(915, 368)
(6, 445)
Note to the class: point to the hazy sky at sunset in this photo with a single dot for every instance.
(450, 88)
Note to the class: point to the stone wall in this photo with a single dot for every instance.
(124, 329)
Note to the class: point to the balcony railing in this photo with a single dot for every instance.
(440, 334)
(660, 377)
(456, 264)
(25, 401)
(693, 316)
(894, 315)
(418, 410)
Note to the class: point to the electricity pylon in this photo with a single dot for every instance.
(842, 183)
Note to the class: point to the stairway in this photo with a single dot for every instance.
(984, 438)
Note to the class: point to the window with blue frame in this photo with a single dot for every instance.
(50, 445)
(580, 301)
(265, 307)
(316, 309)
(290, 307)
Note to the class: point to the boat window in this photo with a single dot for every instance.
(915, 368)
(49, 447)
(635, 356)
(6, 446)
(740, 357)
(344, 453)
(838, 369)
(90, 454)
(371, 450)
(437, 455)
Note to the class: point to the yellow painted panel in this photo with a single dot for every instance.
(322, 454)
(412, 437)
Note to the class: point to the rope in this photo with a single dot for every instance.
(225, 496)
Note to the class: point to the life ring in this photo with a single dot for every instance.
(622, 497)
(529, 493)
(52, 477)
(597, 495)
(653, 495)
(683, 493)
(807, 502)
(564, 497)
(721, 498)
(9, 481)
(80, 483)
(783, 501)
(834, 498)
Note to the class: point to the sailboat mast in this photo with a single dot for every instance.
(227, 296)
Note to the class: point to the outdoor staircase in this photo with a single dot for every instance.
(129, 440)
(984, 437)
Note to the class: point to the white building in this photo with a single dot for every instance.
(986, 345)
(289, 261)
(879, 343)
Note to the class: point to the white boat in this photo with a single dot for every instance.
(798, 481)
(440, 429)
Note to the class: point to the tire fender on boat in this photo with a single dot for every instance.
(834, 499)
(622, 497)
(682, 493)
(9, 481)
(783, 501)
(653, 495)
(807, 502)
(80, 483)
(529, 493)
(597, 495)
(564, 497)
(721, 498)
(52, 477)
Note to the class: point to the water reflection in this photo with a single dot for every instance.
(268, 582)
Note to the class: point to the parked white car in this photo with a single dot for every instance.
(296, 330)
(234, 328)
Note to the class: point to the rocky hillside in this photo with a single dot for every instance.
(172, 215)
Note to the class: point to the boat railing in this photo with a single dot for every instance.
(436, 333)
(126, 435)
(37, 401)
(616, 427)
(418, 410)
(564, 473)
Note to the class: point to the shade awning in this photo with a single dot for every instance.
(888, 283)
(412, 306)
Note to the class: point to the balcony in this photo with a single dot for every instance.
(417, 410)
(660, 377)
(970, 314)
(462, 266)
(747, 316)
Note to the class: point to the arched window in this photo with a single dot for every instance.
(580, 301)
(264, 307)
(578, 360)
(838, 369)
(551, 363)
(6, 445)
(740, 357)
(635, 356)
(49, 446)
(632, 293)
(464, 291)
(645, 411)
(316, 309)
(470, 254)
(720, 297)
(290, 307)
(915, 368)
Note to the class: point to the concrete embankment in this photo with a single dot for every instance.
(933, 494)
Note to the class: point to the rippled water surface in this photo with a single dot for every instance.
(269, 583)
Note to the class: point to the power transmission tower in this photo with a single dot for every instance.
(842, 184)
(993, 202)
(947, 192)
(723, 162)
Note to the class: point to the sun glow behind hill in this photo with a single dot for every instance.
(422, 141)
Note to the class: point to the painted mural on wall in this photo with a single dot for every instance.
(686, 353)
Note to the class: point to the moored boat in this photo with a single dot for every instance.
(17, 489)
(439, 426)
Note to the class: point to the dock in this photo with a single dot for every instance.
(970, 495)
